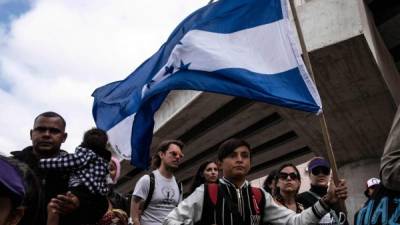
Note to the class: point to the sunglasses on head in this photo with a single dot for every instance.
(318, 170)
(284, 176)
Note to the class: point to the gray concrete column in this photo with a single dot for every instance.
(356, 174)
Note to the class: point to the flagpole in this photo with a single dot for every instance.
(322, 120)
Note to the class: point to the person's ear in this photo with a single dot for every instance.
(15, 216)
(65, 137)
(219, 165)
(30, 133)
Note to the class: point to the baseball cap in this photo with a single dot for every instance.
(372, 182)
(11, 182)
(316, 162)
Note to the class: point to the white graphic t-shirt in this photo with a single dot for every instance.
(166, 197)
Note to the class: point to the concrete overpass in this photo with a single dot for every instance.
(359, 85)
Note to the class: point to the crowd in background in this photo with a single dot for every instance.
(43, 184)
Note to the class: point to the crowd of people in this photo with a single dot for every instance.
(44, 185)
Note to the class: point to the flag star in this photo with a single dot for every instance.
(184, 66)
(168, 70)
(150, 83)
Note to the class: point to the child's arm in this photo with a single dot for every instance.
(68, 161)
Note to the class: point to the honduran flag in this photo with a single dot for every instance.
(242, 48)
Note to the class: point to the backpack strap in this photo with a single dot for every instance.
(180, 188)
(213, 193)
(151, 191)
(257, 197)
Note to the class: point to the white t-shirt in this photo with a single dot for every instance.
(165, 198)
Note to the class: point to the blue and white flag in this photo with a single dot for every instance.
(242, 48)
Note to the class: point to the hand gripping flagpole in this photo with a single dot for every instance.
(322, 120)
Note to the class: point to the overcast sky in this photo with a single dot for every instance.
(54, 53)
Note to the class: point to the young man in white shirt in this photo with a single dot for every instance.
(156, 194)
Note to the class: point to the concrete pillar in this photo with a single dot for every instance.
(356, 174)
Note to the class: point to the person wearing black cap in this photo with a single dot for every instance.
(19, 190)
(319, 173)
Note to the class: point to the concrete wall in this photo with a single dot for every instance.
(380, 52)
(327, 22)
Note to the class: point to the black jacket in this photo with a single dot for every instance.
(308, 198)
(51, 182)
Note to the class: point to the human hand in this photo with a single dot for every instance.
(64, 204)
(52, 208)
(52, 214)
(336, 192)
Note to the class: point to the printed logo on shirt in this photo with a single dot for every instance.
(332, 218)
(168, 194)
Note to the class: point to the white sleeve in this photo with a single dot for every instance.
(142, 187)
(276, 214)
(189, 210)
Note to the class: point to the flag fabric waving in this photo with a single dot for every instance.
(242, 48)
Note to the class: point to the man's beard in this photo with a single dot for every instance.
(171, 168)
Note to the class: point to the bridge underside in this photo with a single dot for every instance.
(357, 95)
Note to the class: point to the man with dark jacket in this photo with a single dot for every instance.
(47, 135)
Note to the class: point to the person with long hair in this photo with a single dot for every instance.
(157, 193)
(207, 173)
(287, 185)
